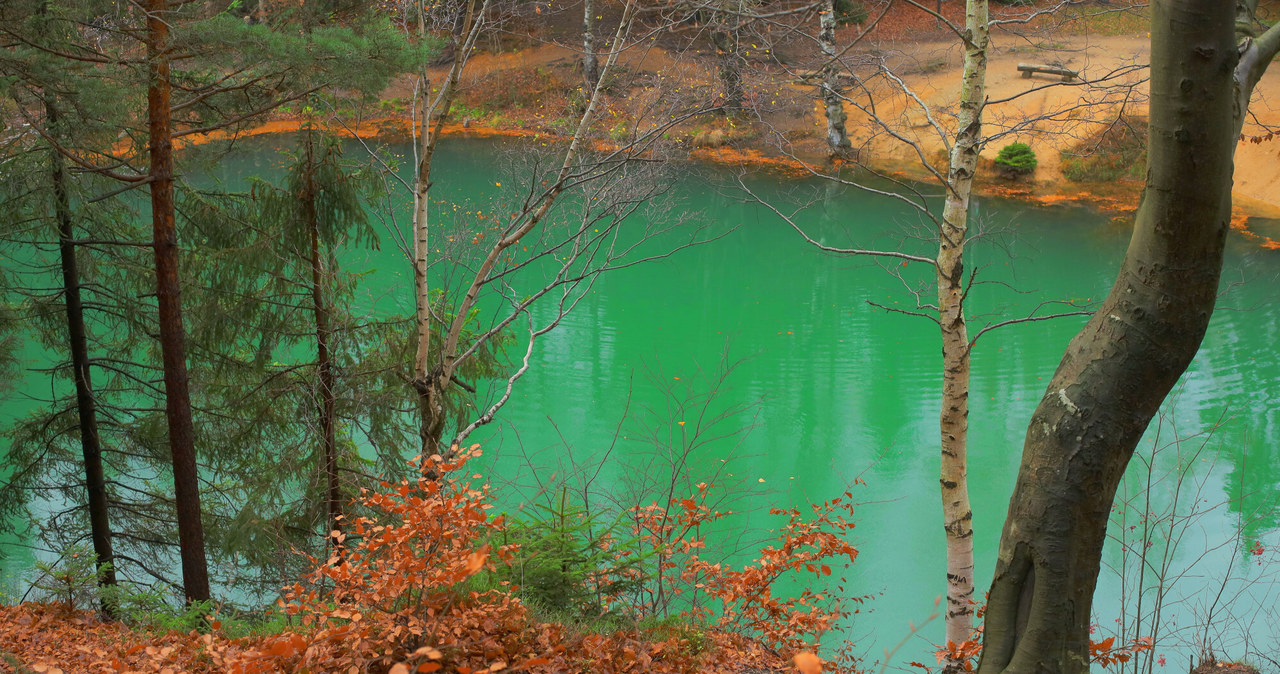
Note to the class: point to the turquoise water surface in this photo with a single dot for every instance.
(831, 392)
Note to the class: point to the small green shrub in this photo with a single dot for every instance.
(71, 580)
(620, 132)
(460, 112)
(562, 126)
(150, 608)
(1016, 159)
(693, 633)
(569, 562)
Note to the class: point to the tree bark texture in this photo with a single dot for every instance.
(1119, 368)
(957, 515)
(430, 381)
(590, 60)
(324, 360)
(195, 573)
(837, 136)
(86, 403)
(725, 38)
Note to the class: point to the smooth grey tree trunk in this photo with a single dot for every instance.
(1119, 368)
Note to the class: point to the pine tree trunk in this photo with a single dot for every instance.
(837, 136)
(954, 420)
(324, 360)
(195, 573)
(1119, 368)
(86, 404)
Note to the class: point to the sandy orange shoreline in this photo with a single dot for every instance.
(1120, 206)
(369, 128)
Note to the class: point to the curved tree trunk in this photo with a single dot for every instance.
(195, 572)
(1119, 368)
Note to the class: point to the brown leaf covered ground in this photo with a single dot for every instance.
(45, 638)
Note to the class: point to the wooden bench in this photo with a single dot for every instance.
(1027, 69)
(814, 77)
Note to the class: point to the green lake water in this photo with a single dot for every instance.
(837, 391)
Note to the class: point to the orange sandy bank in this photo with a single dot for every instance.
(1121, 206)
(392, 127)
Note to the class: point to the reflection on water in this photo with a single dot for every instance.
(848, 390)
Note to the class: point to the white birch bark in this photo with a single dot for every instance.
(954, 420)
(590, 61)
(429, 124)
(837, 137)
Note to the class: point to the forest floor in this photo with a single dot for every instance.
(40, 638)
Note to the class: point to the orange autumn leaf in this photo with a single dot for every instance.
(476, 560)
(808, 663)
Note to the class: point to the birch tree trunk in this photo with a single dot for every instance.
(1119, 368)
(430, 413)
(428, 382)
(195, 572)
(954, 421)
(590, 61)
(837, 137)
